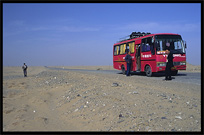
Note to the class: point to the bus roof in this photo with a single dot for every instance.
(137, 38)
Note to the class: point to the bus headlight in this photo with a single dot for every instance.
(183, 63)
(161, 64)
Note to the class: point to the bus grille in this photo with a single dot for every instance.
(176, 63)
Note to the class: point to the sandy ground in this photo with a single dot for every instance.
(49, 100)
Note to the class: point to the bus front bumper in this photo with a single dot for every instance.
(179, 67)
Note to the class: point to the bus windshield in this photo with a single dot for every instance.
(173, 42)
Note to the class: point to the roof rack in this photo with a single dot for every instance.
(134, 35)
(138, 34)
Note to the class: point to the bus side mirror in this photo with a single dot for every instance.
(184, 42)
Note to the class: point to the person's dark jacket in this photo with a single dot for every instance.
(170, 59)
(128, 58)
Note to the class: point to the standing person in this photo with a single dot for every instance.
(24, 67)
(128, 60)
(169, 65)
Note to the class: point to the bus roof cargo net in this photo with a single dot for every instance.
(134, 35)
(138, 34)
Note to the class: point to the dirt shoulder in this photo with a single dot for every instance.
(193, 68)
(190, 68)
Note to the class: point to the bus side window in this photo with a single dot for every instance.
(152, 49)
(116, 50)
(157, 45)
(143, 47)
(146, 44)
(147, 47)
(132, 47)
(122, 48)
(127, 48)
(149, 44)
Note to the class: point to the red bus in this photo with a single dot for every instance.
(148, 52)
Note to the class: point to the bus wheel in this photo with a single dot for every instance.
(148, 71)
(174, 73)
(123, 69)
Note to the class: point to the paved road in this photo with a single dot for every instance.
(184, 77)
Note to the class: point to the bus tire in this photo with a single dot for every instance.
(148, 71)
(174, 73)
(123, 69)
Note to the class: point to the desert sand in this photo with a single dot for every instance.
(57, 100)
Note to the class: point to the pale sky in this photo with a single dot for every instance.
(72, 34)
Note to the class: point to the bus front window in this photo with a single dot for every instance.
(173, 42)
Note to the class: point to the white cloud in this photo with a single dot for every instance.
(63, 28)
(8, 32)
(77, 29)
(17, 23)
(154, 27)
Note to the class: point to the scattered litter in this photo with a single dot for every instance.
(121, 121)
(178, 117)
(76, 110)
(135, 92)
(163, 117)
(115, 85)
(46, 82)
(187, 102)
(120, 116)
(147, 127)
(170, 101)
(195, 105)
(81, 107)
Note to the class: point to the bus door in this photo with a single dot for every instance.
(137, 55)
(131, 47)
(148, 54)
